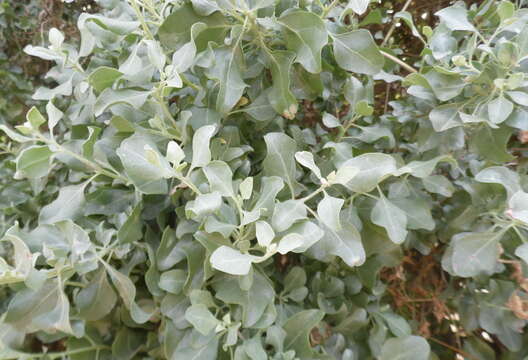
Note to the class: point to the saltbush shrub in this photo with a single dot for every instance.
(254, 179)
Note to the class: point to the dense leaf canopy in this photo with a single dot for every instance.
(254, 179)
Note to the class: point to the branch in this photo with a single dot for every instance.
(399, 62)
(391, 30)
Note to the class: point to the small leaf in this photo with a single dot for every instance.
(280, 158)
(444, 117)
(144, 165)
(280, 95)
(246, 188)
(97, 299)
(131, 230)
(359, 6)
(155, 54)
(103, 77)
(127, 290)
(306, 35)
(201, 318)
(264, 233)
(522, 252)
(231, 261)
(422, 169)
(227, 71)
(407, 18)
(356, 51)
(373, 168)
(286, 213)
(499, 109)
(173, 281)
(175, 153)
(340, 239)
(391, 217)
(109, 97)
(474, 254)
(445, 86)
(408, 348)
(200, 146)
(204, 204)
(35, 118)
(297, 328)
(519, 206)
(344, 175)
(46, 308)
(438, 184)
(219, 175)
(329, 210)
(34, 162)
(330, 121)
(500, 175)
(289, 243)
(67, 206)
(455, 18)
(306, 159)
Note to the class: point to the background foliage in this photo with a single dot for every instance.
(259, 179)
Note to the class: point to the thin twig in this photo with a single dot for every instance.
(387, 97)
(329, 8)
(391, 30)
(399, 62)
(457, 350)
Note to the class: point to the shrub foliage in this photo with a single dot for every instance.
(253, 179)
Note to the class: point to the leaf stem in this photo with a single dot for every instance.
(189, 83)
(98, 168)
(188, 183)
(329, 8)
(452, 348)
(399, 62)
(315, 193)
(75, 283)
(141, 19)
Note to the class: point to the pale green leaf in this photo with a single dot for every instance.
(405, 348)
(518, 204)
(306, 35)
(356, 51)
(298, 328)
(264, 233)
(475, 253)
(286, 213)
(231, 261)
(109, 97)
(289, 243)
(220, 176)
(359, 6)
(373, 168)
(455, 18)
(103, 77)
(499, 109)
(144, 165)
(306, 159)
(127, 290)
(280, 158)
(390, 217)
(34, 162)
(280, 95)
(173, 281)
(200, 146)
(201, 318)
(97, 299)
(67, 206)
